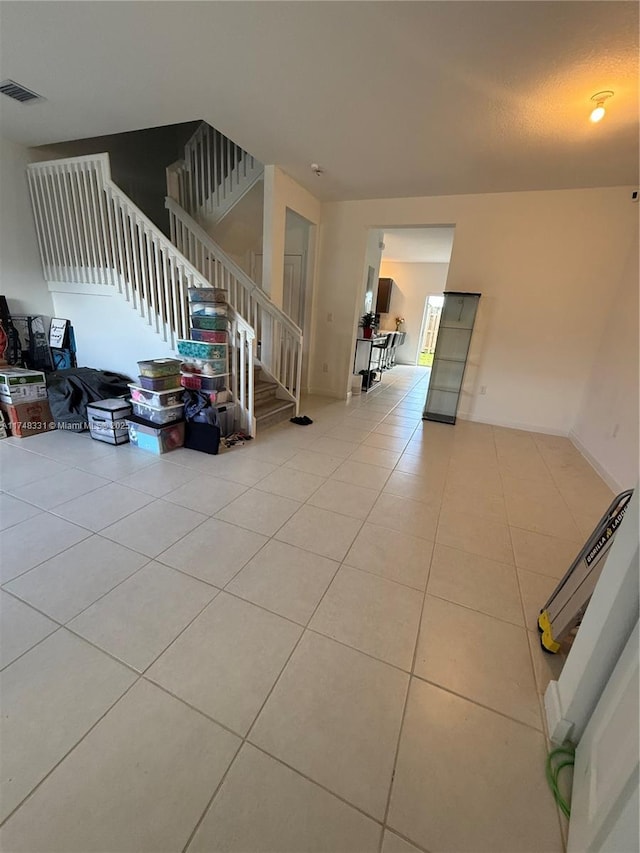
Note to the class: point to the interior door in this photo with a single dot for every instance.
(293, 294)
(604, 803)
(293, 290)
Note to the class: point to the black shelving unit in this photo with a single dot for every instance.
(450, 358)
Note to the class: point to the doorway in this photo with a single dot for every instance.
(429, 329)
(416, 260)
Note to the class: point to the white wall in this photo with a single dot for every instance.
(110, 334)
(606, 429)
(413, 283)
(544, 262)
(21, 279)
(239, 233)
(282, 192)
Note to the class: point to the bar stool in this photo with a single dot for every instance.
(383, 352)
(391, 358)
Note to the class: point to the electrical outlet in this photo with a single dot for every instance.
(325, 367)
(483, 389)
(634, 195)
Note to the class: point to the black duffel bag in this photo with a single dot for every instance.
(202, 429)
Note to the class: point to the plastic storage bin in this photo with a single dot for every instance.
(164, 415)
(208, 294)
(107, 420)
(153, 438)
(159, 383)
(226, 413)
(208, 309)
(210, 337)
(200, 349)
(205, 366)
(197, 382)
(209, 321)
(155, 367)
(170, 397)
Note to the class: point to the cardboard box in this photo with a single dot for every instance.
(14, 377)
(24, 393)
(27, 419)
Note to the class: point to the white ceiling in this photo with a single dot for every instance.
(418, 245)
(391, 98)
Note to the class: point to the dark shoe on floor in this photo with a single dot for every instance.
(301, 421)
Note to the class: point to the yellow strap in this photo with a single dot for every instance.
(544, 623)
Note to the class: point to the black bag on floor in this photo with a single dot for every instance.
(202, 437)
(201, 430)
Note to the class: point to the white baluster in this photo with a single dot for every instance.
(33, 179)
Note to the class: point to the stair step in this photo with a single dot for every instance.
(264, 391)
(273, 412)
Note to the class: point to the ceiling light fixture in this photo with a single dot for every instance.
(316, 169)
(598, 111)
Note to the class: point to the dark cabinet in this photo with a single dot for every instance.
(383, 301)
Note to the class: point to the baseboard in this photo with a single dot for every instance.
(611, 481)
(514, 425)
(82, 289)
(331, 395)
(559, 729)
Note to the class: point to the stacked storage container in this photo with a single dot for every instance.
(205, 365)
(157, 423)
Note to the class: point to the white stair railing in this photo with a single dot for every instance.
(242, 343)
(90, 232)
(213, 176)
(280, 338)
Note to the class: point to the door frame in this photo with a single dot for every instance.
(424, 322)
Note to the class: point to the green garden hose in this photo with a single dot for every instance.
(553, 772)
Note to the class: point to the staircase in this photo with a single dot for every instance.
(90, 233)
(269, 408)
(213, 176)
(279, 337)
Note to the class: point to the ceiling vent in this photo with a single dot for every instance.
(19, 93)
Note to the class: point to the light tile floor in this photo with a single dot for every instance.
(324, 640)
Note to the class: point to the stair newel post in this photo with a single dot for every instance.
(297, 391)
(243, 372)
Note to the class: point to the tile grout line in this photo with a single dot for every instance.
(68, 752)
(305, 628)
(531, 660)
(245, 738)
(406, 699)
